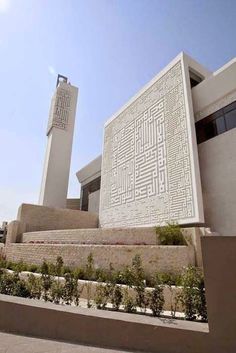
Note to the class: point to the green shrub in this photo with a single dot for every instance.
(201, 302)
(20, 287)
(170, 234)
(138, 281)
(128, 302)
(34, 285)
(156, 300)
(78, 273)
(77, 292)
(69, 288)
(101, 275)
(3, 262)
(66, 269)
(102, 295)
(192, 296)
(169, 279)
(116, 297)
(11, 284)
(126, 276)
(59, 266)
(46, 280)
(89, 269)
(33, 268)
(56, 292)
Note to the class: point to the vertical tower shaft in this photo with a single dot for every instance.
(60, 132)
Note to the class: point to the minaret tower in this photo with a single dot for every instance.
(60, 132)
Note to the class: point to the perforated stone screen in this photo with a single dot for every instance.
(147, 168)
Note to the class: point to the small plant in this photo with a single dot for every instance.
(166, 278)
(116, 297)
(34, 285)
(128, 302)
(59, 266)
(56, 292)
(201, 302)
(170, 234)
(90, 270)
(79, 273)
(32, 268)
(11, 284)
(192, 296)
(138, 280)
(46, 280)
(100, 299)
(69, 288)
(77, 292)
(156, 300)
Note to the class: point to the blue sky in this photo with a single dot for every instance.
(109, 49)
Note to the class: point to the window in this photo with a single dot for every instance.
(230, 119)
(93, 186)
(195, 79)
(216, 123)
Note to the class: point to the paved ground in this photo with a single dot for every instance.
(20, 344)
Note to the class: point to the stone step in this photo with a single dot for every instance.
(105, 236)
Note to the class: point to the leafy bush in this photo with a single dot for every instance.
(156, 300)
(46, 280)
(59, 266)
(201, 302)
(170, 234)
(102, 295)
(192, 296)
(56, 292)
(169, 279)
(32, 268)
(90, 269)
(49, 288)
(116, 297)
(128, 302)
(138, 281)
(11, 284)
(70, 288)
(34, 285)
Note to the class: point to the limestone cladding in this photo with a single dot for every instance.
(54, 185)
(95, 236)
(155, 258)
(150, 172)
(46, 218)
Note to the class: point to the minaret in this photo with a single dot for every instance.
(60, 132)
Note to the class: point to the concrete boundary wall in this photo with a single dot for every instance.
(137, 332)
(154, 257)
(101, 328)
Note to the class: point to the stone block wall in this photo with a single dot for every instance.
(37, 218)
(155, 258)
(129, 236)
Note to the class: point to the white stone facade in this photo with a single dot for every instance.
(153, 171)
(150, 169)
(60, 132)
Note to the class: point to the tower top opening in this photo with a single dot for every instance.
(61, 78)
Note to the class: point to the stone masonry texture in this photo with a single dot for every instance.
(154, 258)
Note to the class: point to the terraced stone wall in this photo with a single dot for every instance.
(154, 257)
